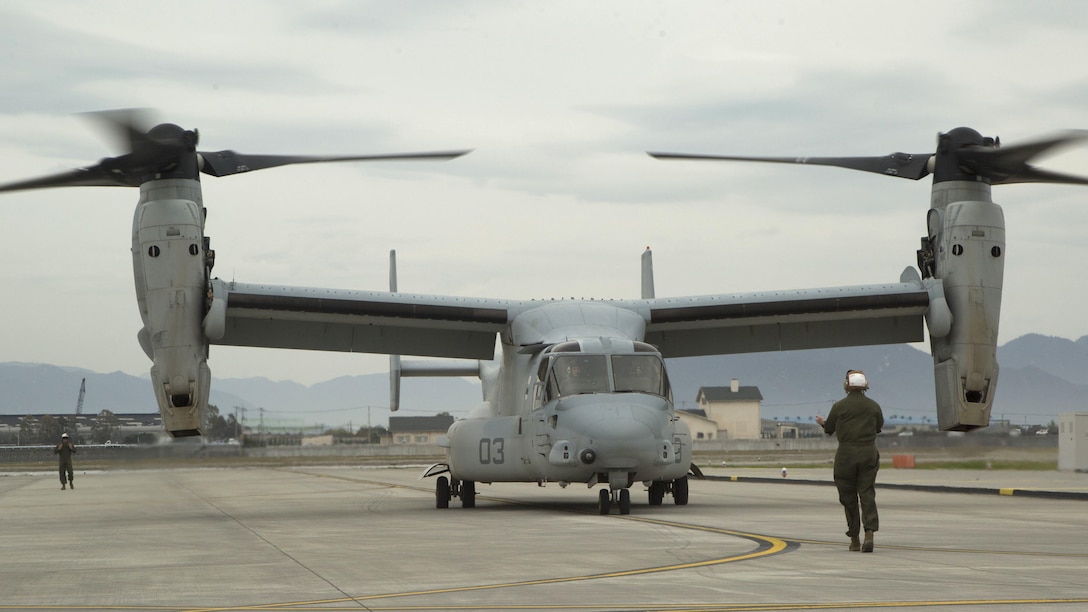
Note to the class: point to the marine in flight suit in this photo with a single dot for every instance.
(856, 420)
(65, 449)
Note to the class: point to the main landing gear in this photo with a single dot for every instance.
(678, 488)
(446, 488)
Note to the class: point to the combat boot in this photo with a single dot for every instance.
(62, 486)
(855, 543)
(868, 545)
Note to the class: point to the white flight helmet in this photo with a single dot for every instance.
(855, 381)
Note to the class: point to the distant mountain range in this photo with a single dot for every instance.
(348, 400)
(1041, 377)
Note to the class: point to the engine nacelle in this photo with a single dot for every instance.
(967, 237)
(170, 264)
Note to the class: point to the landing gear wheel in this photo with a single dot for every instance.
(604, 501)
(657, 492)
(468, 494)
(625, 501)
(442, 493)
(680, 491)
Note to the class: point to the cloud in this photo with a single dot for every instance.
(560, 101)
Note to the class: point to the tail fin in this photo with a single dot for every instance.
(394, 360)
(648, 274)
(393, 271)
(394, 383)
(419, 368)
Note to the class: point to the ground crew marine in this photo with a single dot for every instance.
(856, 420)
(65, 449)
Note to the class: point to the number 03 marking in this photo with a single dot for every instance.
(491, 450)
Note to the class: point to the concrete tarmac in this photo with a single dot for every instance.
(350, 538)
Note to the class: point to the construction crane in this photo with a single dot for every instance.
(82, 392)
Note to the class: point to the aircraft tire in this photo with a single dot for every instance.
(604, 501)
(657, 492)
(442, 493)
(680, 491)
(625, 501)
(468, 494)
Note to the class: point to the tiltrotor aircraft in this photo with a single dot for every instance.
(577, 391)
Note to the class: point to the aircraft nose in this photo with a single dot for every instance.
(620, 422)
(612, 432)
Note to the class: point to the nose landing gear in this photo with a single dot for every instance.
(620, 496)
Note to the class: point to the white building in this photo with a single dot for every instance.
(728, 413)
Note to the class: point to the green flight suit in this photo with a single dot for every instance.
(856, 420)
(65, 449)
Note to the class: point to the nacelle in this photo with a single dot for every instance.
(967, 238)
(170, 269)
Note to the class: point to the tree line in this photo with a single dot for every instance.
(106, 427)
(48, 429)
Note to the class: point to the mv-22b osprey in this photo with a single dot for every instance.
(577, 391)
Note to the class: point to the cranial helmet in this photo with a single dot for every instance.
(64, 435)
(855, 380)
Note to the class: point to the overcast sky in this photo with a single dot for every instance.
(560, 100)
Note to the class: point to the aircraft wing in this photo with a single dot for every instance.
(787, 320)
(354, 321)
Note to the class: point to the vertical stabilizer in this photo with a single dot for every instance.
(394, 383)
(393, 271)
(648, 274)
(394, 360)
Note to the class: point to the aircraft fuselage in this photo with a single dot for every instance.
(578, 398)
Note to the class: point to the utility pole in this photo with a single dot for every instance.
(238, 424)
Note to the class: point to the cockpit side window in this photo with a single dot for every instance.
(574, 374)
(640, 374)
(551, 387)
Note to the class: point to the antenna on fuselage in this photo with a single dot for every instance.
(648, 274)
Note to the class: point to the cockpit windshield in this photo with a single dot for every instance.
(574, 374)
(639, 374)
(584, 373)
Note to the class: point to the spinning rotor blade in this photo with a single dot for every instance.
(1007, 165)
(224, 163)
(1035, 175)
(160, 149)
(127, 127)
(94, 176)
(903, 165)
(962, 154)
(167, 151)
